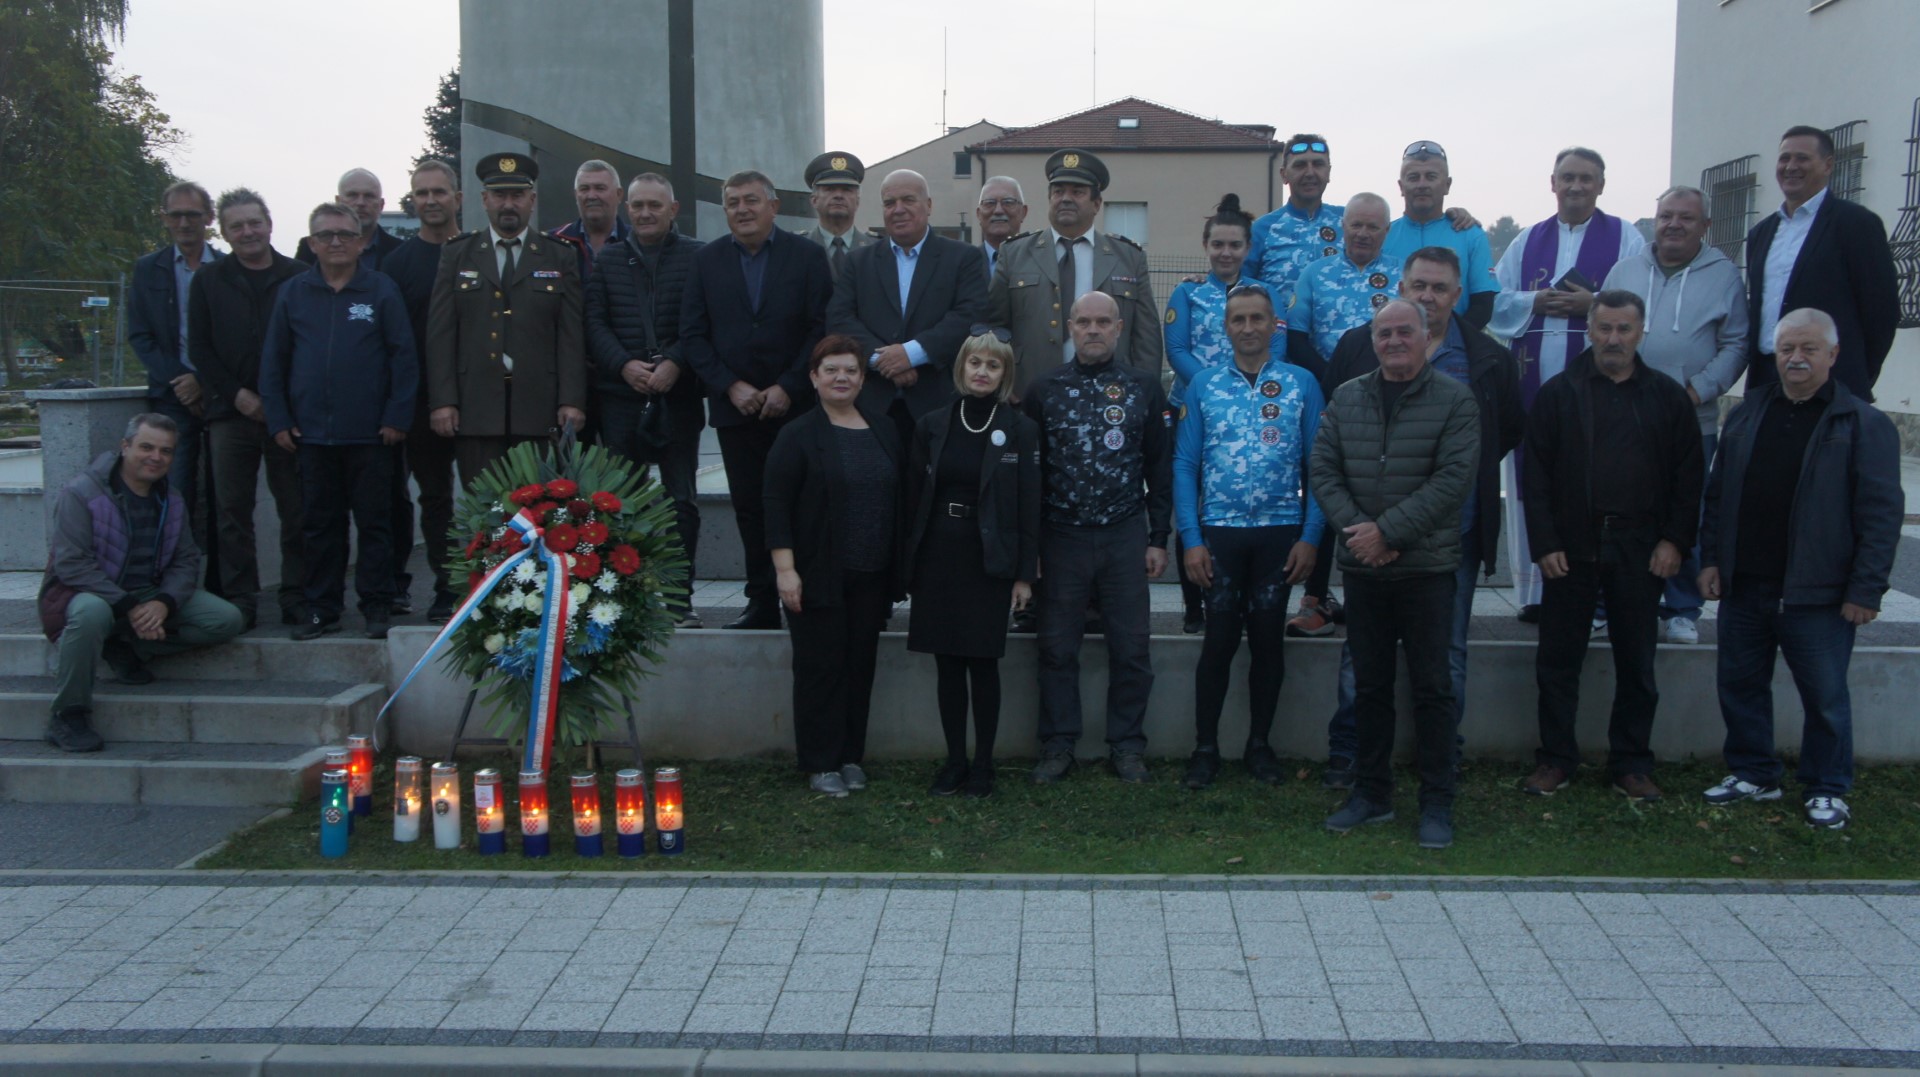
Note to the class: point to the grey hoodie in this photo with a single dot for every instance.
(1696, 322)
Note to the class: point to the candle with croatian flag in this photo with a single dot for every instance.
(533, 813)
(489, 812)
(407, 800)
(341, 760)
(586, 814)
(669, 811)
(336, 811)
(630, 809)
(360, 772)
(445, 786)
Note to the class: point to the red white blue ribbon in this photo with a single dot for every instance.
(549, 648)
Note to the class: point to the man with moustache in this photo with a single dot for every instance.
(506, 361)
(157, 329)
(1001, 212)
(834, 177)
(596, 192)
(1613, 473)
(359, 190)
(425, 455)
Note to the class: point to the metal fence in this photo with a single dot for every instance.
(1165, 272)
(54, 331)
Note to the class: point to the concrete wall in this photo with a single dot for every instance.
(728, 694)
(1180, 189)
(953, 196)
(1731, 97)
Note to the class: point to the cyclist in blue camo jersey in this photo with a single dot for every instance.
(1250, 528)
(1196, 336)
(1340, 293)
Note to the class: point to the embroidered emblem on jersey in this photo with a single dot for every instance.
(1380, 300)
(1269, 388)
(1114, 439)
(1378, 280)
(1327, 252)
(1327, 234)
(360, 312)
(1171, 316)
(1269, 411)
(1270, 435)
(1114, 390)
(1115, 414)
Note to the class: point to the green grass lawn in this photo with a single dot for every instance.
(758, 816)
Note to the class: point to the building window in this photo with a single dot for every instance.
(1127, 219)
(1731, 188)
(962, 163)
(1849, 160)
(1906, 232)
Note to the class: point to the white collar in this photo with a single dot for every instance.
(1086, 237)
(1810, 207)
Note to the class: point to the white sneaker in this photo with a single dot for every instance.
(1732, 789)
(1828, 813)
(828, 783)
(1681, 630)
(854, 778)
(1599, 628)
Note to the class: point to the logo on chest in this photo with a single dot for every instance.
(360, 312)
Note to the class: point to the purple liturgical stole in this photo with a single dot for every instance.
(1598, 252)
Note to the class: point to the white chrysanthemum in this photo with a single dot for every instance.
(533, 602)
(578, 594)
(506, 599)
(605, 613)
(496, 507)
(475, 615)
(524, 572)
(494, 642)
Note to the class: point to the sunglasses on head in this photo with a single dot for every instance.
(997, 332)
(1424, 148)
(1303, 147)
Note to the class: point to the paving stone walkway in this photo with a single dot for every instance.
(1808, 975)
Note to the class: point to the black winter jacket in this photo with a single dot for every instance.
(1847, 507)
(620, 295)
(1009, 506)
(225, 328)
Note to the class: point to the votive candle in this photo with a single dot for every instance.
(586, 814)
(341, 760)
(335, 812)
(489, 812)
(533, 813)
(630, 811)
(669, 811)
(407, 799)
(360, 772)
(445, 785)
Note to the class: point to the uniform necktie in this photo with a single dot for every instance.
(839, 253)
(1068, 280)
(506, 266)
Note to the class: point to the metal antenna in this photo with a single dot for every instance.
(1095, 39)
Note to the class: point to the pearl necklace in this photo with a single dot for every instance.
(983, 426)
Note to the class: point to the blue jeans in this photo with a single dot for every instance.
(1682, 595)
(1343, 738)
(1818, 645)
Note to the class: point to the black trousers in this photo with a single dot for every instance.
(1632, 597)
(1081, 564)
(1319, 582)
(743, 451)
(239, 448)
(1384, 616)
(677, 466)
(834, 651)
(335, 481)
(428, 459)
(1249, 592)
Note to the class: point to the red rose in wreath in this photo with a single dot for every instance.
(562, 488)
(606, 502)
(593, 534)
(586, 566)
(526, 495)
(562, 538)
(625, 560)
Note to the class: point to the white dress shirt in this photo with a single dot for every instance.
(1082, 280)
(1787, 241)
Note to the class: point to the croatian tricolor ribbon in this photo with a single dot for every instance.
(543, 713)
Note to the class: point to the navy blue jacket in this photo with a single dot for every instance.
(1847, 508)
(153, 317)
(339, 365)
(1846, 269)
(727, 340)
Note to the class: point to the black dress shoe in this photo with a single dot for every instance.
(315, 627)
(1529, 613)
(979, 782)
(951, 777)
(1025, 622)
(756, 617)
(1194, 624)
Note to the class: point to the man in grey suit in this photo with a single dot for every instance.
(834, 178)
(909, 301)
(1002, 212)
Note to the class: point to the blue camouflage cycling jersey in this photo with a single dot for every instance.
(1240, 454)
(1334, 295)
(1285, 242)
(1196, 330)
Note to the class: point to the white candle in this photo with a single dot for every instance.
(446, 806)
(407, 798)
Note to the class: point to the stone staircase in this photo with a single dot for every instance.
(247, 723)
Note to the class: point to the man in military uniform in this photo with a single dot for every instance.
(506, 361)
(834, 178)
(1039, 275)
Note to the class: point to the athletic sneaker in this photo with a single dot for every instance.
(1314, 619)
(1681, 630)
(828, 782)
(1358, 811)
(1731, 790)
(1436, 828)
(1828, 813)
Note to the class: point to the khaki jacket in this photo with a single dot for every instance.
(535, 318)
(1025, 298)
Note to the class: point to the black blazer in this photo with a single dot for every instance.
(1845, 269)
(153, 318)
(805, 497)
(948, 296)
(727, 340)
(1009, 506)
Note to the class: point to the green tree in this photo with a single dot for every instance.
(443, 128)
(1501, 234)
(81, 153)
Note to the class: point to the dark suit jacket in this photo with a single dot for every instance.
(805, 495)
(727, 340)
(948, 296)
(153, 318)
(1845, 269)
(1009, 505)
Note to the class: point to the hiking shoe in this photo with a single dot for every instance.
(1732, 790)
(1314, 618)
(1130, 767)
(1263, 764)
(827, 783)
(316, 626)
(377, 625)
(1828, 813)
(1358, 811)
(1637, 787)
(125, 662)
(854, 777)
(72, 731)
(1680, 630)
(979, 782)
(1203, 766)
(950, 777)
(1339, 773)
(1529, 614)
(1052, 767)
(1436, 828)
(401, 607)
(1545, 781)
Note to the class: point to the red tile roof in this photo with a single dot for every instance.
(1161, 128)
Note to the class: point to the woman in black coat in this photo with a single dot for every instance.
(832, 505)
(973, 499)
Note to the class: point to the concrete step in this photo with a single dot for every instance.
(198, 711)
(258, 657)
(150, 772)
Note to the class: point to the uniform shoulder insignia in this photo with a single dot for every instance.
(1023, 235)
(464, 236)
(1124, 239)
(557, 237)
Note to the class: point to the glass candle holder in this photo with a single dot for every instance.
(409, 787)
(533, 813)
(630, 812)
(341, 760)
(336, 809)
(489, 812)
(445, 786)
(669, 811)
(585, 788)
(360, 772)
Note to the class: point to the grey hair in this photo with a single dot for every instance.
(596, 165)
(1418, 310)
(1368, 198)
(353, 172)
(152, 420)
(1581, 151)
(1017, 191)
(241, 196)
(651, 177)
(331, 209)
(1681, 188)
(1815, 317)
(435, 164)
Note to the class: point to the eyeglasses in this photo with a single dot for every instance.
(1424, 148)
(1003, 203)
(185, 215)
(330, 239)
(998, 332)
(1303, 147)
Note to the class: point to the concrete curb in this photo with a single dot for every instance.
(239, 1060)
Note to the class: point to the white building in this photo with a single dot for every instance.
(1746, 70)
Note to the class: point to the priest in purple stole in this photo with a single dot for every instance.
(1547, 278)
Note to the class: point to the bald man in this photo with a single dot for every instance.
(359, 190)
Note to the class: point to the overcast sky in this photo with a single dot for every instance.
(1501, 84)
